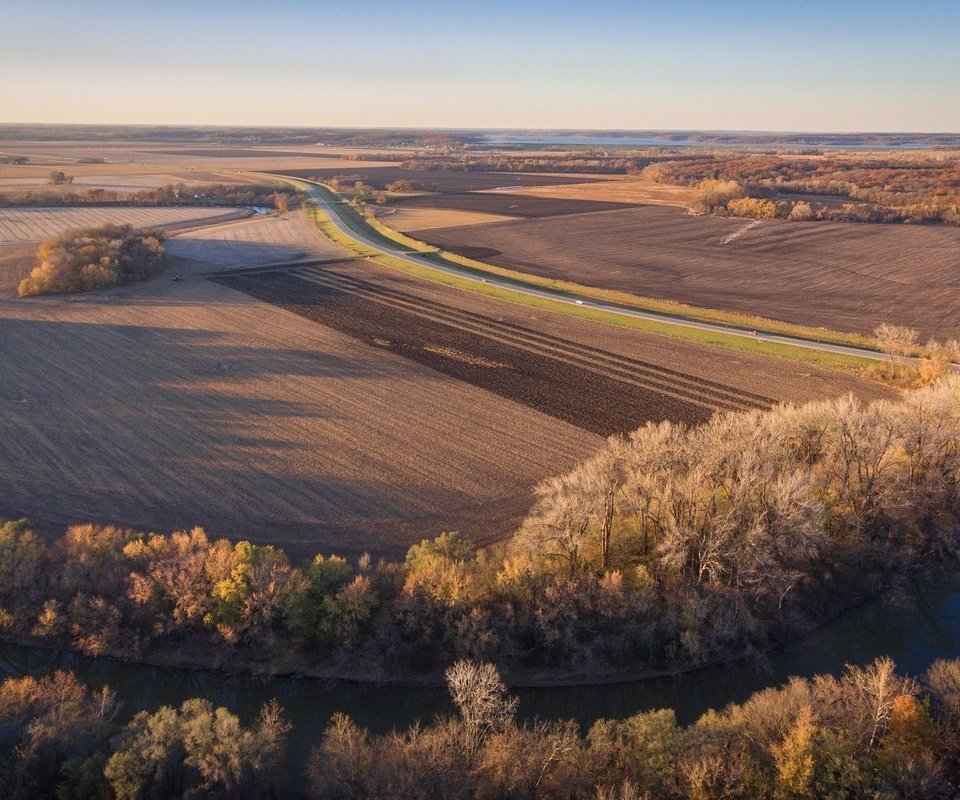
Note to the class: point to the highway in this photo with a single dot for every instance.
(461, 272)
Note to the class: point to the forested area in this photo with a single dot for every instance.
(870, 732)
(266, 195)
(899, 188)
(94, 258)
(673, 547)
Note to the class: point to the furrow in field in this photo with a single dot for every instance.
(707, 393)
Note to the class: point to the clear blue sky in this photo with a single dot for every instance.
(803, 65)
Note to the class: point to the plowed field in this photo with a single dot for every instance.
(593, 389)
(260, 240)
(38, 224)
(838, 275)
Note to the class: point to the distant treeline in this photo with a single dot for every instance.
(903, 187)
(342, 137)
(588, 162)
(217, 194)
(94, 258)
(871, 733)
(673, 547)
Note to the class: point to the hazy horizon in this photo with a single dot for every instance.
(822, 67)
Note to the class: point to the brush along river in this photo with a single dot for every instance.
(915, 627)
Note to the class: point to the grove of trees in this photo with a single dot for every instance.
(899, 188)
(869, 733)
(217, 194)
(94, 258)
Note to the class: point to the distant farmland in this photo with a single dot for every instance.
(838, 275)
(38, 224)
(440, 180)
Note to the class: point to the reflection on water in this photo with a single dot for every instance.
(915, 628)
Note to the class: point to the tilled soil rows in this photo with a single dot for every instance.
(596, 390)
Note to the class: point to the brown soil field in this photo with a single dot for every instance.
(511, 205)
(167, 405)
(612, 394)
(438, 180)
(627, 190)
(270, 239)
(401, 218)
(16, 261)
(839, 275)
(39, 224)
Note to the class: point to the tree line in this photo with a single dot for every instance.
(672, 547)
(900, 188)
(218, 194)
(869, 733)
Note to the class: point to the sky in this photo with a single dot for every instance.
(806, 65)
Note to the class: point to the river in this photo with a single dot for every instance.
(915, 628)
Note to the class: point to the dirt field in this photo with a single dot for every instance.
(401, 218)
(507, 204)
(260, 240)
(439, 180)
(627, 190)
(39, 224)
(591, 388)
(173, 404)
(843, 276)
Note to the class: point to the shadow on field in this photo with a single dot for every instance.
(164, 428)
(234, 254)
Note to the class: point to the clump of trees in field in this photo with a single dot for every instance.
(672, 547)
(869, 733)
(60, 739)
(94, 258)
(59, 178)
(218, 194)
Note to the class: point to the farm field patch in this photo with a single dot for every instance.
(258, 240)
(168, 405)
(837, 275)
(627, 190)
(439, 180)
(407, 218)
(39, 224)
(506, 204)
(599, 391)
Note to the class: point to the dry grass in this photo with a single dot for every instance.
(38, 224)
(622, 190)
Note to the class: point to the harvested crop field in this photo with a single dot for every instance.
(596, 390)
(239, 152)
(403, 218)
(166, 405)
(439, 180)
(511, 205)
(839, 275)
(270, 239)
(627, 190)
(38, 224)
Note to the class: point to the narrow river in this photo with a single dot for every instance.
(915, 628)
